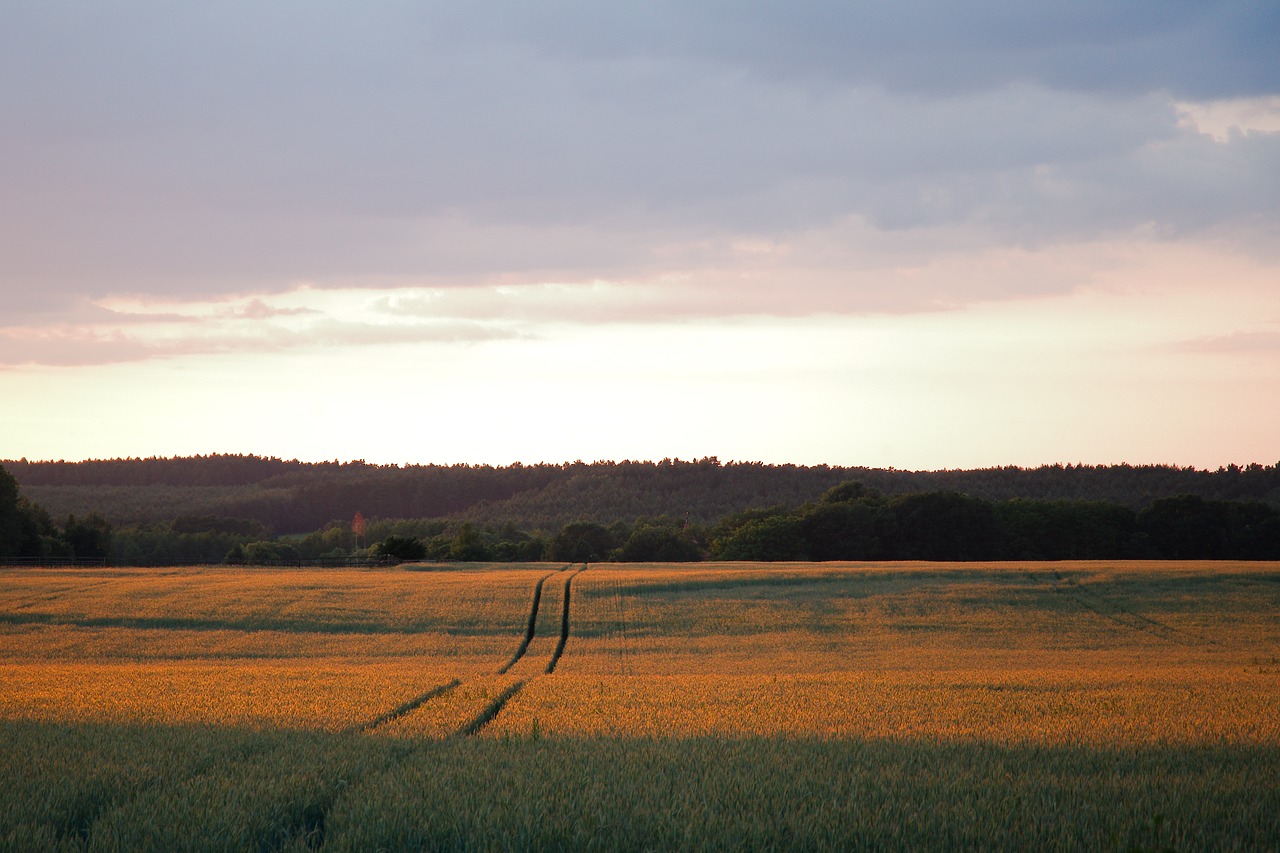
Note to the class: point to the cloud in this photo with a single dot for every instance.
(204, 152)
(920, 45)
(256, 309)
(1235, 343)
(1223, 119)
(252, 326)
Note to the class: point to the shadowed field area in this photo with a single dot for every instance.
(114, 787)
(800, 706)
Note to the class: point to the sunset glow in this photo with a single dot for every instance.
(427, 237)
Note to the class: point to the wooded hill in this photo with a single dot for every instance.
(296, 497)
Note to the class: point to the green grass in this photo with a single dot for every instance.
(82, 787)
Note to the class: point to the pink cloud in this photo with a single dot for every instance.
(256, 309)
(1235, 342)
(74, 346)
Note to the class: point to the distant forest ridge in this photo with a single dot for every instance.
(289, 496)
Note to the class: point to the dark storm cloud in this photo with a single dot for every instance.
(183, 149)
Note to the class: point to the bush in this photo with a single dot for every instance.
(271, 554)
(401, 548)
(779, 537)
(659, 544)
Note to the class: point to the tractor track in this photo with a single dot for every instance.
(564, 622)
(479, 721)
(531, 627)
(491, 710)
(620, 609)
(411, 705)
(1097, 603)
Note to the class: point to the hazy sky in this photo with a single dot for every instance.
(913, 234)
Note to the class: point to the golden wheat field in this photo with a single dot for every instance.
(1166, 676)
(1052, 653)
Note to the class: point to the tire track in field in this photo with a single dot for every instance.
(1097, 603)
(45, 598)
(476, 724)
(491, 710)
(411, 705)
(620, 608)
(479, 721)
(564, 622)
(532, 626)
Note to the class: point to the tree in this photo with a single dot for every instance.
(467, 545)
(1188, 527)
(12, 528)
(777, 537)
(401, 548)
(581, 542)
(849, 490)
(90, 537)
(843, 530)
(1253, 531)
(653, 543)
(940, 526)
(270, 554)
(26, 531)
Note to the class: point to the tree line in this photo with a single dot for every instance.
(291, 497)
(852, 522)
(848, 521)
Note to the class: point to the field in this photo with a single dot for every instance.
(1113, 706)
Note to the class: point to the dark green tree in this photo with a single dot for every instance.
(265, 553)
(940, 526)
(581, 542)
(1184, 527)
(1253, 531)
(468, 545)
(776, 537)
(26, 531)
(659, 543)
(849, 490)
(401, 548)
(12, 524)
(89, 537)
(843, 530)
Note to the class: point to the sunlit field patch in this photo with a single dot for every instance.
(1060, 709)
(479, 600)
(328, 694)
(1053, 652)
(447, 715)
(322, 649)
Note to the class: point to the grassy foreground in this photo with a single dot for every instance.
(110, 787)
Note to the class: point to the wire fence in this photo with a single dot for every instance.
(320, 562)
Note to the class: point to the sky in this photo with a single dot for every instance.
(913, 234)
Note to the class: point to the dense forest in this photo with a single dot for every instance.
(296, 497)
(215, 509)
